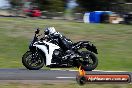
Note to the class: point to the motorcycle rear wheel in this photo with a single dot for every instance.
(30, 64)
(89, 61)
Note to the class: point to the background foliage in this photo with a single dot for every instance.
(83, 5)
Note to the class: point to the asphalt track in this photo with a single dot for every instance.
(53, 75)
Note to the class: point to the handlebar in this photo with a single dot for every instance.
(37, 31)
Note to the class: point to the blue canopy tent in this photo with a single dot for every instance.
(95, 17)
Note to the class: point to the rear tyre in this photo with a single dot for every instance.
(89, 61)
(30, 63)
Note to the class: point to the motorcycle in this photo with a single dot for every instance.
(47, 51)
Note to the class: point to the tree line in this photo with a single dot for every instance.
(83, 5)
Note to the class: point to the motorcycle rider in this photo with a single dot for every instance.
(63, 42)
(50, 31)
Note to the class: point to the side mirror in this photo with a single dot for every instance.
(37, 31)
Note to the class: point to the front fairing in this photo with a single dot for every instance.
(35, 39)
(47, 48)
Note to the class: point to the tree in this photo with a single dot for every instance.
(51, 5)
(121, 5)
(15, 3)
(92, 5)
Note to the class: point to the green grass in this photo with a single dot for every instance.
(114, 41)
(62, 85)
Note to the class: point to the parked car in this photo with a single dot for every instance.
(34, 12)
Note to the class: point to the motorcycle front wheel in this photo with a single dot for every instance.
(88, 61)
(32, 63)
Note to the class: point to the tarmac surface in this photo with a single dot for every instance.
(47, 75)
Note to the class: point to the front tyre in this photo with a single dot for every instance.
(89, 61)
(32, 63)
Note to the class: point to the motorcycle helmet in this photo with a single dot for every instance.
(49, 30)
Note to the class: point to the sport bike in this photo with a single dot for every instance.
(50, 51)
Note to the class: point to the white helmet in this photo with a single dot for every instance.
(50, 30)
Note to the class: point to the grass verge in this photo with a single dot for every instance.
(63, 85)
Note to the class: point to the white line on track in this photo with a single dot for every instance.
(62, 70)
(93, 70)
